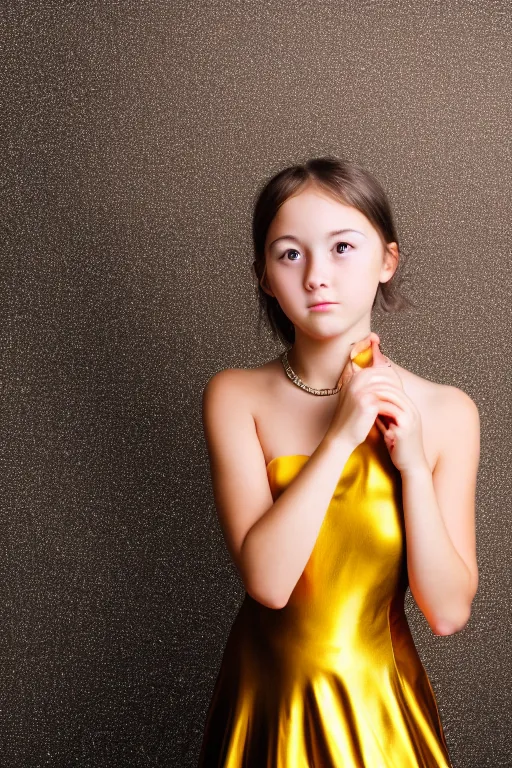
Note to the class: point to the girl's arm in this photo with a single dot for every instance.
(269, 542)
(277, 547)
(439, 512)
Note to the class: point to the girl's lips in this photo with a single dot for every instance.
(325, 305)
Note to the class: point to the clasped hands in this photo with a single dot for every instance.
(399, 420)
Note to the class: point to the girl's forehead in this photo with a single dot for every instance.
(318, 201)
(316, 211)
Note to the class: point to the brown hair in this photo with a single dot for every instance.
(352, 185)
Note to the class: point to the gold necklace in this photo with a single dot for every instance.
(296, 380)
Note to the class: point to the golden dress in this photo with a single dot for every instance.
(333, 679)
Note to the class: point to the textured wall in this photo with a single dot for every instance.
(135, 135)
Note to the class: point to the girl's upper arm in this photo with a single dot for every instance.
(455, 473)
(237, 464)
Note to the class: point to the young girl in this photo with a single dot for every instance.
(340, 478)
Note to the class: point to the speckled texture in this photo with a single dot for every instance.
(135, 136)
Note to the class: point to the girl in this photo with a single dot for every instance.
(340, 478)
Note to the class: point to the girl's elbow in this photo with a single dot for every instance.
(445, 627)
(265, 597)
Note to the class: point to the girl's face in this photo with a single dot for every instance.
(310, 260)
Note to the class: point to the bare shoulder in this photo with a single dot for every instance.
(234, 386)
(227, 379)
(441, 395)
(227, 409)
(243, 383)
(447, 412)
(455, 401)
(458, 419)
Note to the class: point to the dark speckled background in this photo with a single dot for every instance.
(134, 136)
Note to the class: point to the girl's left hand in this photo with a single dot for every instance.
(399, 421)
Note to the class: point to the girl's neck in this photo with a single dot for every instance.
(319, 363)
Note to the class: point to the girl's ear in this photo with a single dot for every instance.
(390, 262)
(262, 278)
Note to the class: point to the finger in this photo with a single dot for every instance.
(384, 427)
(380, 425)
(387, 434)
(346, 374)
(378, 357)
(385, 408)
(390, 392)
(355, 367)
(391, 377)
(349, 369)
(385, 420)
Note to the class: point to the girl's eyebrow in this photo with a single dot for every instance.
(331, 234)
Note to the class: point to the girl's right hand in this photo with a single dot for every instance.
(358, 402)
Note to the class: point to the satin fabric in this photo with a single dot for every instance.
(332, 679)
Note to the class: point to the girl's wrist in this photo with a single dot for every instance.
(419, 470)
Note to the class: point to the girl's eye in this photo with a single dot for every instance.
(290, 250)
(293, 250)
